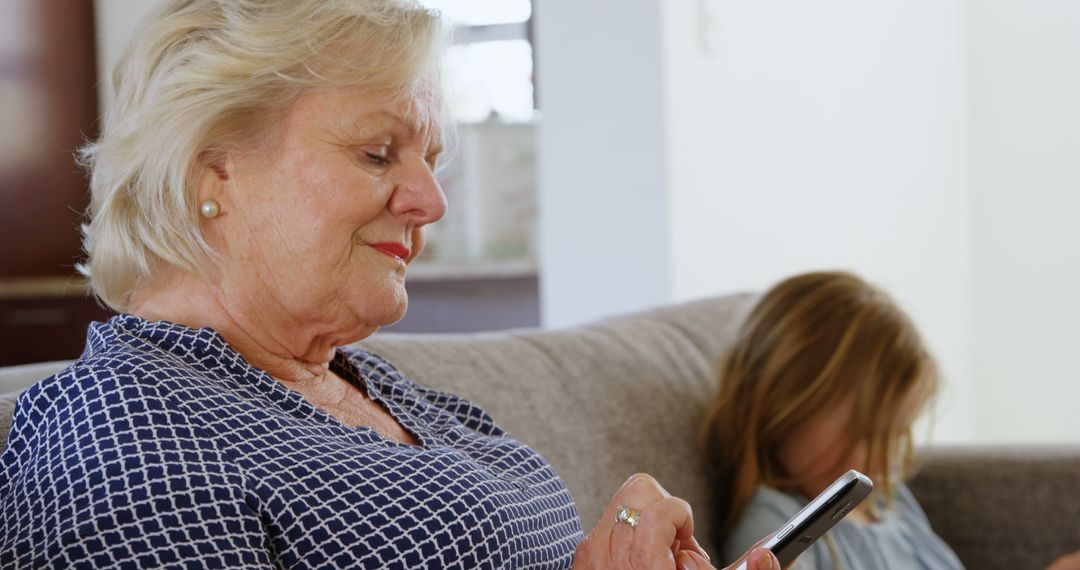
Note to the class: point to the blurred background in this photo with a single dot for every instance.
(615, 156)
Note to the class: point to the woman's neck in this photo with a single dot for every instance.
(267, 339)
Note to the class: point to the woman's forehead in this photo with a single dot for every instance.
(415, 113)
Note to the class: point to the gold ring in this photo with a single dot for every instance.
(625, 514)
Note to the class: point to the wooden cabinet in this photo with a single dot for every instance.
(44, 319)
(48, 108)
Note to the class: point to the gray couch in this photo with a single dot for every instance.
(626, 395)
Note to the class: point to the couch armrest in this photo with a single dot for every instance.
(1003, 507)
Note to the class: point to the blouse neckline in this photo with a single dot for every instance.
(206, 349)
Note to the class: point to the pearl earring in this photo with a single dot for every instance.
(209, 209)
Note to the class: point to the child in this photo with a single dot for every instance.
(828, 374)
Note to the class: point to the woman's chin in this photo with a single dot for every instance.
(392, 310)
(403, 308)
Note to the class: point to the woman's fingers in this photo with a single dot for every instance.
(695, 546)
(637, 494)
(662, 530)
(692, 560)
(662, 525)
(756, 559)
(662, 534)
(761, 559)
(1067, 562)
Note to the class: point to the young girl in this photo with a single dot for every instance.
(828, 374)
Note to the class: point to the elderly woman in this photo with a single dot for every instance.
(259, 189)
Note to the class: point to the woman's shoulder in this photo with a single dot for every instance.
(95, 382)
(90, 398)
(118, 373)
(115, 387)
(103, 443)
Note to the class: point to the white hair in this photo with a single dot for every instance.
(206, 76)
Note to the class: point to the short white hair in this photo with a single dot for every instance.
(205, 76)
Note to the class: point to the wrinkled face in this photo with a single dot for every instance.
(318, 228)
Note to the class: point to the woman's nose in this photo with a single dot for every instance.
(419, 196)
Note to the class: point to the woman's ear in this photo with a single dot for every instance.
(217, 162)
(214, 176)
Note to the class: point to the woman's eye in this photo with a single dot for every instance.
(379, 155)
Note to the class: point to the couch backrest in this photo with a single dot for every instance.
(600, 402)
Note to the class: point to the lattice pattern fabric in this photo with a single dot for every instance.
(161, 446)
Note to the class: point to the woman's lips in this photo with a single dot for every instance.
(393, 249)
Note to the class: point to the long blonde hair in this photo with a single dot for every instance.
(812, 341)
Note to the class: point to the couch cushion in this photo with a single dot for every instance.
(14, 378)
(1003, 506)
(7, 408)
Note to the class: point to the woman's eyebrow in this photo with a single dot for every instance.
(386, 119)
(378, 121)
(408, 126)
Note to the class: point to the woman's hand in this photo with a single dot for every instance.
(1067, 562)
(661, 536)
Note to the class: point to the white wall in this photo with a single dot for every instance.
(829, 134)
(1025, 162)
(603, 233)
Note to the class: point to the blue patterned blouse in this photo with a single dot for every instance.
(161, 446)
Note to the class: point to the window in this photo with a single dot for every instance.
(490, 177)
(489, 67)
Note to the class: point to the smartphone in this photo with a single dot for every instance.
(816, 518)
